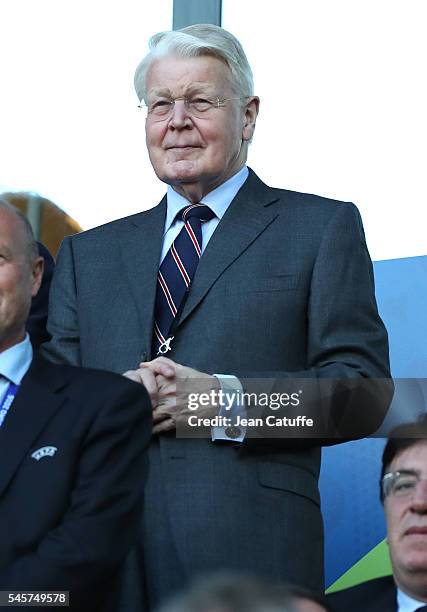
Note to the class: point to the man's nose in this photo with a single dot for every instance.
(180, 117)
(419, 501)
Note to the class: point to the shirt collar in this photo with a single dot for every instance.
(15, 361)
(406, 603)
(218, 200)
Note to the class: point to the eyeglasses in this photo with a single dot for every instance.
(401, 483)
(162, 108)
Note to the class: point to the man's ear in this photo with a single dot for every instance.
(37, 268)
(251, 113)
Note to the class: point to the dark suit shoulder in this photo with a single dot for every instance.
(117, 225)
(88, 396)
(378, 594)
(317, 212)
(310, 199)
(55, 376)
(296, 199)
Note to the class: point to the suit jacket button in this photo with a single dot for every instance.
(233, 432)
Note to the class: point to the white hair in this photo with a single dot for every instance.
(196, 41)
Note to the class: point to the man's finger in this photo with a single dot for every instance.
(147, 378)
(164, 426)
(161, 365)
(165, 386)
(159, 416)
(132, 375)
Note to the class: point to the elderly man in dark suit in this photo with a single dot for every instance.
(73, 452)
(225, 279)
(404, 495)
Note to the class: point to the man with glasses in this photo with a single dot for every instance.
(404, 496)
(224, 280)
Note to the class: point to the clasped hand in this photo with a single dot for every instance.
(170, 400)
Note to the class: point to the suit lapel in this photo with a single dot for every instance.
(141, 244)
(36, 403)
(246, 218)
(141, 241)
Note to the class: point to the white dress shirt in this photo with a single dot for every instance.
(14, 364)
(408, 604)
(218, 201)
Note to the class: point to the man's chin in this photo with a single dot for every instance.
(416, 561)
(182, 171)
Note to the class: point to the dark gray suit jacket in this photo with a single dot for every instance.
(284, 286)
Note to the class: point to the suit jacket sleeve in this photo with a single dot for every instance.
(63, 325)
(37, 319)
(101, 520)
(346, 385)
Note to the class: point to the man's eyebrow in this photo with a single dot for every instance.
(194, 88)
(161, 93)
(409, 471)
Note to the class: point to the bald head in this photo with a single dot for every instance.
(21, 271)
(29, 245)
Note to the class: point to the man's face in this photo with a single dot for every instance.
(19, 280)
(302, 604)
(406, 517)
(196, 154)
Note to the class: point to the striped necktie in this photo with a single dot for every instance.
(176, 273)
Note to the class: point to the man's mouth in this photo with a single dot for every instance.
(416, 531)
(182, 147)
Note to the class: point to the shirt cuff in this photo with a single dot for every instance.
(232, 409)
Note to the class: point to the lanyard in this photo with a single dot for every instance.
(7, 402)
(166, 345)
